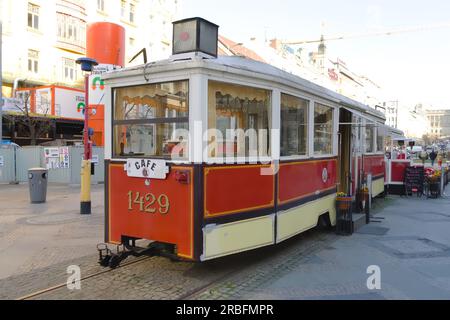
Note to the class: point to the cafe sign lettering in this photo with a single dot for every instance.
(146, 168)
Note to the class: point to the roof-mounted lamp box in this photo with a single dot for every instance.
(195, 35)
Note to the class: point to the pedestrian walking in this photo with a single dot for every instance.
(433, 156)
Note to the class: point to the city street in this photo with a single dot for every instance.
(408, 240)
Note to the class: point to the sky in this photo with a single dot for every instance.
(411, 67)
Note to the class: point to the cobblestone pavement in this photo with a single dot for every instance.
(408, 238)
(151, 278)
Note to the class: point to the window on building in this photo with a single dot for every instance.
(131, 12)
(69, 70)
(123, 8)
(33, 16)
(101, 5)
(323, 129)
(151, 120)
(33, 61)
(294, 126)
(369, 145)
(70, 30)
(239, 120)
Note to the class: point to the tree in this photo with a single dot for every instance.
(37, 125)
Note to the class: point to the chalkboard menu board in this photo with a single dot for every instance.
(414, 178)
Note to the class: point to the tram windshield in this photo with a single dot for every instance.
(151, 120)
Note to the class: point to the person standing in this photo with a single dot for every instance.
(433, 156)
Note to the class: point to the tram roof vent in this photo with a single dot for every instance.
(194, 37)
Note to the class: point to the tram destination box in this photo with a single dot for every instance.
(195, 35)
(147, 168)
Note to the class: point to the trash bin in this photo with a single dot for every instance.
(37, 181)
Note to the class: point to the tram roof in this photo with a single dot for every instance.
(250, 68)
(396, 134)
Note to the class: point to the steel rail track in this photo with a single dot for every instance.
(56, 287)
(192, 293)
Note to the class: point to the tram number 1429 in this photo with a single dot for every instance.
(148, 203)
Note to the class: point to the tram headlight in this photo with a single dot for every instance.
(195, 35)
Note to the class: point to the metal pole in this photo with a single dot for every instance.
(85, 199)
(86, 118)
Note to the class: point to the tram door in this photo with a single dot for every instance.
(345, 133)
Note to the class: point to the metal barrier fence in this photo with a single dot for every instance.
(15, 162)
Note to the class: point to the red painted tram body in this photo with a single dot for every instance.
(217, 196)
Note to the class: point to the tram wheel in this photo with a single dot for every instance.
(324, 222)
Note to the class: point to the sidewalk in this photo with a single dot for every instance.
(410, 242)
(34, 236)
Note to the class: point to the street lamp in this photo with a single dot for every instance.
(85, 204)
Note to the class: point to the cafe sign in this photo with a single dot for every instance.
(147, 168)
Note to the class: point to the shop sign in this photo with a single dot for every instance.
(147, 168)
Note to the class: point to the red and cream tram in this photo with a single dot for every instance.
(177, 177)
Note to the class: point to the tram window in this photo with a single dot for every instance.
(151, 120)
(387, 143)
(356, 133)
(237, 116)
(323, 129)
(369, 138)
(294, 126)
(380, 140)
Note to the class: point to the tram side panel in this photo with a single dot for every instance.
(375, 165)
(244, 209)
(306, 190)
(157, 210)
(238, 209)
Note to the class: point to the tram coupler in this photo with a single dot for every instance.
(104, 254)
(108, 258)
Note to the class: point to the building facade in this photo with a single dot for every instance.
(439, 121)
(43, 38)
(315, 65)
(391, 113)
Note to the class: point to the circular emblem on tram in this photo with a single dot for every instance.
(324, 175)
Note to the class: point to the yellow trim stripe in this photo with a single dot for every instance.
(306, 195)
